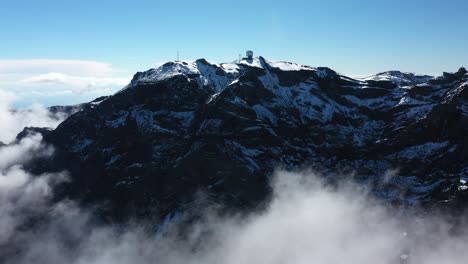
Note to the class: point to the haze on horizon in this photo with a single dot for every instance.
(63, 52)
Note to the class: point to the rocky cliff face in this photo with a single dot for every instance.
(222, 129)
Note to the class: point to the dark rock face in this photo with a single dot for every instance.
(223, 128)
(68, 110)
(28, 131)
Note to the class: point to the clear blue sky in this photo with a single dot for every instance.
(352, 37)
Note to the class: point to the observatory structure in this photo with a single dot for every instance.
(248, 56)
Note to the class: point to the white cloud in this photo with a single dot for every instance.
(78, 84)
(23, 195)
(13, 122)
(52, 77)
(71, 67)
(23, 151)
(34, 78)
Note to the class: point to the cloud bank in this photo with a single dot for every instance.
(14, 121)
(306, 222)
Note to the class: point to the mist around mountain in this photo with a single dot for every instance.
(246, 162)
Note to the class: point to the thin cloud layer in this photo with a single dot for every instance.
(77, 84)
(69, 67)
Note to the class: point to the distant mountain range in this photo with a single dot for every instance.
(223, 129)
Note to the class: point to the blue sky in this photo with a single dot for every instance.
(356, 38)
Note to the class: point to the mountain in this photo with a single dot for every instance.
(57, 113)
(222, 129)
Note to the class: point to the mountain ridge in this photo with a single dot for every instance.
(224, 128)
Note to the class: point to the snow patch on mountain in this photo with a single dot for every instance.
(254, 62)
(374, 103)
(232, 68)
(289, 66)
(265, 114)
(420, 151)
(117, 122)
(81, 144)
(400, 78)
(168, 71)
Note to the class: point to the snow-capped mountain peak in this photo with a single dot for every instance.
(210, 70)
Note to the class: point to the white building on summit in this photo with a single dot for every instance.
(249, 54)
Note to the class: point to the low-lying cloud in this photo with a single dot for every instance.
(306, 222)
(14, 121)
(22, 195)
